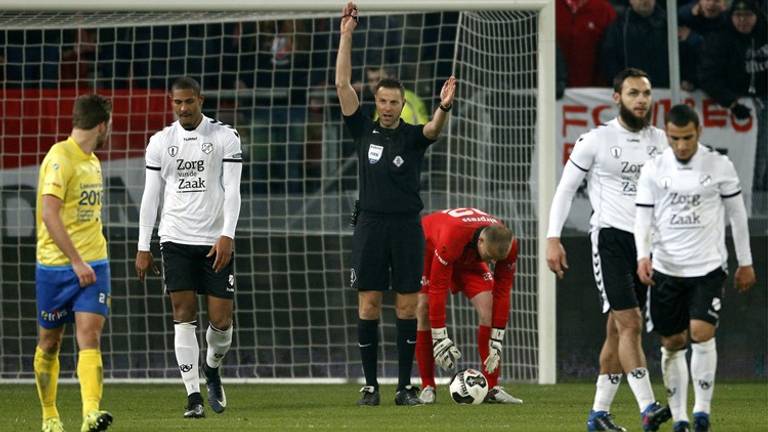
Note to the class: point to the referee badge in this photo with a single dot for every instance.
(374, 153)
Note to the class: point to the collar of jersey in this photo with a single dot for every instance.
(196, 129)
(74, 148)
(388, 131)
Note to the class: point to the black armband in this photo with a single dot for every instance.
(445, 108)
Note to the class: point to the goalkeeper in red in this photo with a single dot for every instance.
(461, 247)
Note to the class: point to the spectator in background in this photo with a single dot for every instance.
(733, 65)
(78, 61)
(581, 25)
(561, 73)
(414, 111)
(695, 21)
(638, 39)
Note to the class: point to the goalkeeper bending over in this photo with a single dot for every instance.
(460, 244)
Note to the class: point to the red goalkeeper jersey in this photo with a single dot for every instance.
(451, 246)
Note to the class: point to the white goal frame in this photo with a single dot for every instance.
(545, 116)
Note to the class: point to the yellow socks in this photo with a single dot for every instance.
(47, 379)
(90, 375)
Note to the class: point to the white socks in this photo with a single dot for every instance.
(187, 354)
(641, 386)
(703, 366)
(219, 342)
(607, 385)
(674, 368)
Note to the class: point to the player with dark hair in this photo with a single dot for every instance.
(610, 157)
(72, 278)
(388, 237)
(195, 165)
(682, 195)
(461, 244)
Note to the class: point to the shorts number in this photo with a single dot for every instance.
(102, 298)
(464, 211)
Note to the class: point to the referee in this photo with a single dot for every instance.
(388, 238)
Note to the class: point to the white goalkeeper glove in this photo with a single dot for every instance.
(444, 350)
(494, 354)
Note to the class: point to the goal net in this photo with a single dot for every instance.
(270, 75)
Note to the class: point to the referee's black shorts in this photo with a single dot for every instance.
(186, 268)
(614, 266)
(387, 248)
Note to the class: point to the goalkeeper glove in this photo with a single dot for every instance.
(444, 350)
(494, 355)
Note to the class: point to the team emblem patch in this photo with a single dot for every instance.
(705, 179)
(206, 147)
(173, 151)
(616, 152)
(666, 182)
(398, 161)
(374, 153)
(651, 150)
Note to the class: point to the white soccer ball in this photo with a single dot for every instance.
(469, 387)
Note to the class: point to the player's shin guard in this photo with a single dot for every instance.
(424, 358)
(703, 367)
(641, 386)
(218, 342)
(483, 338)
(90, 373)
(368, 341)
(47, 380)
(605, 390)
(406, 345)
(674, 369)
(187, 354)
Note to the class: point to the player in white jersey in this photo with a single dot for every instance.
(195, 164)
(610, 157)
(680, 198)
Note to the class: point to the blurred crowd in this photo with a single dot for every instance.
(279, 72)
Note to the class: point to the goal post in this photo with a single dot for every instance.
(296, 316)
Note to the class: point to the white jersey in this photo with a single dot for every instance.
(191, 165)
(612, 157)
(688, 210)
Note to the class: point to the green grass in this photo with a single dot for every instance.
(562, 407)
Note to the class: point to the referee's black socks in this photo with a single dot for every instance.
(406, 346)
(368, 341)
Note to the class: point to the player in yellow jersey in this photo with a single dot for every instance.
(72, 275)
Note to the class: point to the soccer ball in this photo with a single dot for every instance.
(469, 387)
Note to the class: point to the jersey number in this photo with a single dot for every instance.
(464, 211)
(90, 198)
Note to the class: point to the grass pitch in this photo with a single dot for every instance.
(261, 407)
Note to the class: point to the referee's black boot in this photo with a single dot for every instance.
(370, 396)
(408, 396)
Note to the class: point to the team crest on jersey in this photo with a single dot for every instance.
(616, 152)
(206, 147)
(651, 150)
(374, 153)
(705, 179)
(666, 182)
(398, 161)
(173, 151)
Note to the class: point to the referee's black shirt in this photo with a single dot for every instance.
(389, 163)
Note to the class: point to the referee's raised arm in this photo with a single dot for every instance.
(347, 96)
